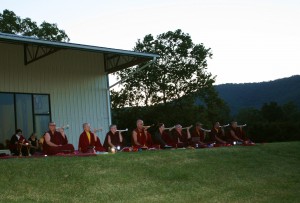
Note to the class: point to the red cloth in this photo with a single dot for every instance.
(57, 139)
(98, 146)
(142, 138)
(114, 139)
(85, 146)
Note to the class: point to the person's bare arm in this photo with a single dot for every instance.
(109, 142)
(120, 137)
(188, 133)
(47, 140)
(62, 132)
(134, 136)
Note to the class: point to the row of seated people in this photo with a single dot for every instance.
(55, 141)
(31, 145)
(197, 137)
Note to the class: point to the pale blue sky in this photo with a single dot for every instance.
(252, 41)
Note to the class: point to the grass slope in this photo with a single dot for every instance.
(263, 173)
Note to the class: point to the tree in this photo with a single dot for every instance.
(179, 71)
(272, 111)
(13, 24)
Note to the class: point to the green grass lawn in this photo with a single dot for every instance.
(262, 173)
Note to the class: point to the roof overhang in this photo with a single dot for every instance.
(114, 59)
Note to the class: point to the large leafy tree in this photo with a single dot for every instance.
(13, 24)
(179, 72)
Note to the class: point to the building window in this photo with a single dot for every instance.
(29, 112)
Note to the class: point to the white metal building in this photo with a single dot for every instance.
(63, 82)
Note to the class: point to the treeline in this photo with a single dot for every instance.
(272, 122)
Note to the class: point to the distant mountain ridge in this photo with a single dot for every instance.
(254, 95)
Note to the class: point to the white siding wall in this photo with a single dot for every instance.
(75, 81)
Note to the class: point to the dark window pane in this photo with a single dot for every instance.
(24, 113)
(7, 117)
(41, 124)
(41, 104)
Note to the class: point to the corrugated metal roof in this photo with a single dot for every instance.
(66, 45)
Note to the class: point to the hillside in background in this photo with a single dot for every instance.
(254, 95)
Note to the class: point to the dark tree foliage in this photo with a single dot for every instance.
(166, 91)
(13, 24)
(180, 70)
(272, 123)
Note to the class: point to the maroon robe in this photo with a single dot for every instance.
(198, 134)
(86, 146)
(214, 133)
(182, 137)
(166, 137)
(145, 140)
(238, 132)
(198, 138)
(57, 139)
(114, 139)
(14, 145)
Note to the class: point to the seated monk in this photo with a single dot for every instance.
(113, 139)
(16, 141)
(217, 135)
(89, 142)
(56, 142)
(181, 138)
(198, 136)
(236, 134)
(140, 137)
(158, 136)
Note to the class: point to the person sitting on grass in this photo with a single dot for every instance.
(217, 134)
(140, 138)
(236, 134)
(158, 136)
(113, 139)
(198, 136)
(16, 142)
(34, 143)
(56, 142)
(181, 138)
(89, 142)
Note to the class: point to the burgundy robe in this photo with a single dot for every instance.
(198, 134)
(86, 146)
(166, 137)
(198, 138)
(142, 138)
(182, 137)
(217, 133)
(13, 146)
(114, 139)
(57, 139)
(238, 132)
